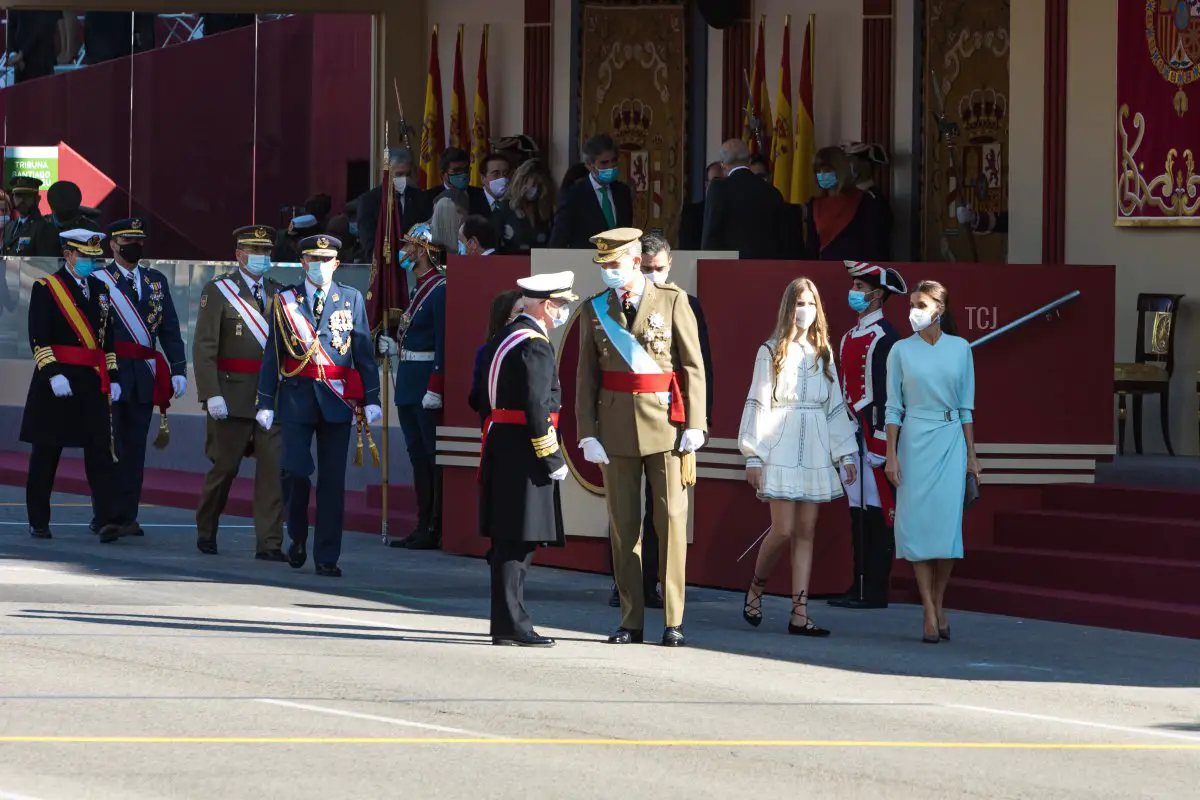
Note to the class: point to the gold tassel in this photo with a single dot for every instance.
(687, 469)
(164, 433)
(358, 444)
(374, 450)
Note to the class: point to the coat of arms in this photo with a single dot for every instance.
(1173, 35)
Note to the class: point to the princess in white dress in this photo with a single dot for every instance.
(795, 432)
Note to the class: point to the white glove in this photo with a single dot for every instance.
(874, 461)
(373, 413)
(179, 384)
(559, 474)
(966, 215)
(217, 408)
(593, 451)
(431, 400)
(265, 418)
(60, 386)
(691, 441)
(114, 391)
(388, 346)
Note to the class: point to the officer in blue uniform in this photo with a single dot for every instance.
(320, 377)
(420, 380)
(144, 318)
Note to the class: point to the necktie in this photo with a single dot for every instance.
(606, 207)
(627, 307)
(258, 298)
(83, 287)
(131, 282)
(318, 303)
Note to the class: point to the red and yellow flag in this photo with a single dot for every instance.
(432, 131)
(460, 130)
(781, 138)
(481, 131)
(804, 180)
(758, 104)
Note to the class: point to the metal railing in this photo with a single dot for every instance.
(1049, 311)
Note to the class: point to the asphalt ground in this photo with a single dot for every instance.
(143, 669)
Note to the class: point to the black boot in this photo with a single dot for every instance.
(854, 594)
(431, 537)
(423, 489)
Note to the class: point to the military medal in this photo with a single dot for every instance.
(237, 331)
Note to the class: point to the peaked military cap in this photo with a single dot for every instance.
(550, 286)
(85, 241)
(24, 183)
(301, 223)
(255, 235)
(611, 245)
(322, 245)
(131, 228)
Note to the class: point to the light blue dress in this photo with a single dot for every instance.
(931, 393)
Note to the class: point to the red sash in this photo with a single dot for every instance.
(504, 416)
(632, 382)
(833, 213)
(239, 366)
(162, 372)
(325, 373)
(88, 354)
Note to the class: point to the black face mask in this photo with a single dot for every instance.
(132, 253)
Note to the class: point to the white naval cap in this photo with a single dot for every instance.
(83, 240)
(549, 286)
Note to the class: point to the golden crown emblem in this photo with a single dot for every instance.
(136, 224)
(983, 114)
(323, 242)
(94, 241)
(631, 121)
(260, 233)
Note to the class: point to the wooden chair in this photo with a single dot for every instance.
(1151, 371)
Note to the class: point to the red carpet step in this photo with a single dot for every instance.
(178, 489)
(1124, 500)
(1099, 533)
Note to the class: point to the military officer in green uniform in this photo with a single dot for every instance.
(640, 408)
(29, 235)
(227, 353)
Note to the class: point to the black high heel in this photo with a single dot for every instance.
(809, 628)
(753, 613)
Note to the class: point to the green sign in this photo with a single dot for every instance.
(31, 162)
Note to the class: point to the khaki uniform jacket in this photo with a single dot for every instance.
(221, 333)
(635, 425)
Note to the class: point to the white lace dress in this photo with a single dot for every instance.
(796, 428)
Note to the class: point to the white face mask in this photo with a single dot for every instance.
(321, 272)
(805, 317)
(920, 319)
(559, 316)
(400, 182)
(613, 278)
(658, 276)
(498, 187)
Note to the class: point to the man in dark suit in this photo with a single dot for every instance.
(456, 174)
(597, 204)
(414, 203)
(691, 222)
(656, 266)
(31, 43)
(743, 211)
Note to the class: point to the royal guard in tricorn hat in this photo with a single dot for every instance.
(863, 354)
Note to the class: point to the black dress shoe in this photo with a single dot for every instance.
(94, 527)
(207, 546)
(855, 603)
(654, 598)
(40, 533)
(531, 639)
(135, 529)
(110, 533)
(673, 637)
(398, 543)
(297, 555)
(625, 636)
(329, 571)
(421, 541)
(271, 555)
(614, 599)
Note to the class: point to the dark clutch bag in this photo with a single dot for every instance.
(971, 495)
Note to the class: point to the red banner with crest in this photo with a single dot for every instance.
(1158, 112)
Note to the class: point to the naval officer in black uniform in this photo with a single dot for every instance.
(518, 398)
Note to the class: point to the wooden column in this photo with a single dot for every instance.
(539, 71)
(878, 90)
(737, 59)
(1054, 137)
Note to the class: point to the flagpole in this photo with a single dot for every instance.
(386, 328)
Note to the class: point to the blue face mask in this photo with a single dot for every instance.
(257, 265)
(827, 180)
(354, 228)
(613, 278)
(408, 262)
(462, 249)
(858, 301)
(84, 266)
(459, 181)
(607, 176)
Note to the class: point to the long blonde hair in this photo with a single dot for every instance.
(785, 327)
(530, 175)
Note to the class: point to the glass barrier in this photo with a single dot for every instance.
(186, 279)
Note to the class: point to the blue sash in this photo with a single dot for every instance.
(624, 342)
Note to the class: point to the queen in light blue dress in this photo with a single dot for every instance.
(931, 395)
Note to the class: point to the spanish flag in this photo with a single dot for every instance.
(804, 180)
(781, 139)
(460, 131)
(481, 131)
(432, 131)
(758, 104)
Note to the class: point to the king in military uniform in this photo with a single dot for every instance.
(144, 318)
(319, 376)
(420, 380)
(227, 354)
(74, 383)
(863, 354)
(640, 400)
(521, 462)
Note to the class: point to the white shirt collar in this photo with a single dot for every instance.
(636, 293)
(735, 169)
(534, 320)
(870, 319)
(251, 281)
(125, 273)
(310, 288)
(596, 185)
